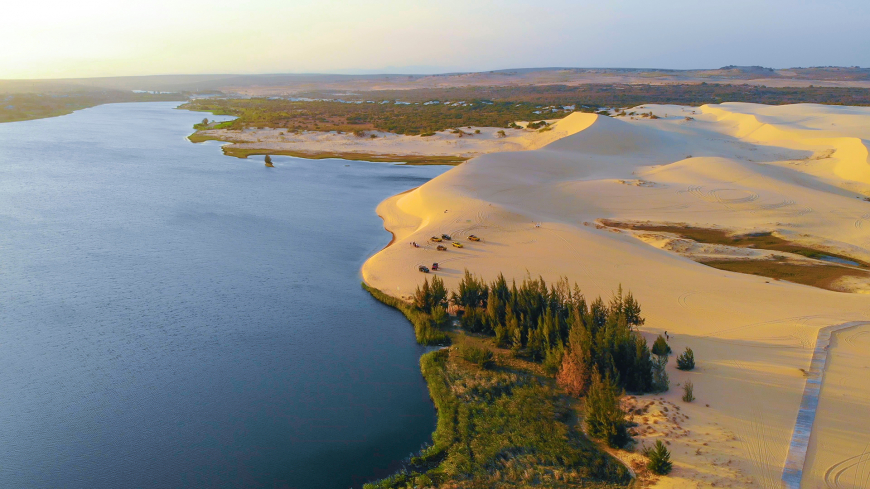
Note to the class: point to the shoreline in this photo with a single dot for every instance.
(449, 147)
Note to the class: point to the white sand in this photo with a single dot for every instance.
(444, 143)
(795, 170)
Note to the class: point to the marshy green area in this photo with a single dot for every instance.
(825, 274)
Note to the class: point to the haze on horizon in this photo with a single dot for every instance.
(53, 39)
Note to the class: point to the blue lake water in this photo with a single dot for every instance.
(172, 317)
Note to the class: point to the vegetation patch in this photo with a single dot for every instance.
(531, 367)
(764, 240)
(232, 150)
(821, 276)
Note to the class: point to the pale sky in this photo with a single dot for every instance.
(85, 38)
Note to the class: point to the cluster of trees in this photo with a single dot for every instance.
(593, 348)
(556, 325)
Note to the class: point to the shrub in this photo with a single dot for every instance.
(688, 389)
(686, 360)
(659, 459)
(660, 347)
(501, 133)
(476, 355)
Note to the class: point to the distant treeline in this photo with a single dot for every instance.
(423, 111)
(26, 106)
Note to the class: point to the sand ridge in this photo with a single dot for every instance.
(799, 171)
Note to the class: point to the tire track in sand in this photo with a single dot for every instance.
(834, 474)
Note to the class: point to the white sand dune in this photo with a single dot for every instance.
(800, 171)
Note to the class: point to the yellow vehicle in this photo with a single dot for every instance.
(441, 248)
(472, 237)
(435, 239)
(457, 244)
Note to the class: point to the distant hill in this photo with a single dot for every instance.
(282, 84)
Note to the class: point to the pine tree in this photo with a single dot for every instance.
(573, 375)
(686, 360)
(423, 296)
(438, 294)
(660, 381)
(604, 418)
(659, 459)
(516, 334)
(640, 378)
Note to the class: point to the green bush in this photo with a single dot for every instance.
(686, 360)
(476, 355)
(660, 347)
(659, 459)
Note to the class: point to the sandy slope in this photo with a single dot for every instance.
(797, 170)
(444, 143)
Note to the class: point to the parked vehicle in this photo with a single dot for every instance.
(435, 239)
(423, 268)
(441, 248)
(457, 244)
(472, 237)
(434, 266)
(446, 236)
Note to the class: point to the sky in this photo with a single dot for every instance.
(88, 38)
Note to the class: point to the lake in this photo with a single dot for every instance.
(173, 317)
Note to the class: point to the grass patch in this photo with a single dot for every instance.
(230, 150)
(765, 241)
(424, 329)
(199, 137)
(822, 276)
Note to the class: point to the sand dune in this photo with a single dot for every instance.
(800, 172)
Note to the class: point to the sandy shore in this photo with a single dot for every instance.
(801, 172)
(443, 147)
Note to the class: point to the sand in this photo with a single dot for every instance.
(800, 171)
(443, 143)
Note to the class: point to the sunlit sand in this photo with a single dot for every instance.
(800, 172)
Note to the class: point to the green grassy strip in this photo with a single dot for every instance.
(426, 333)
(243, 153)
